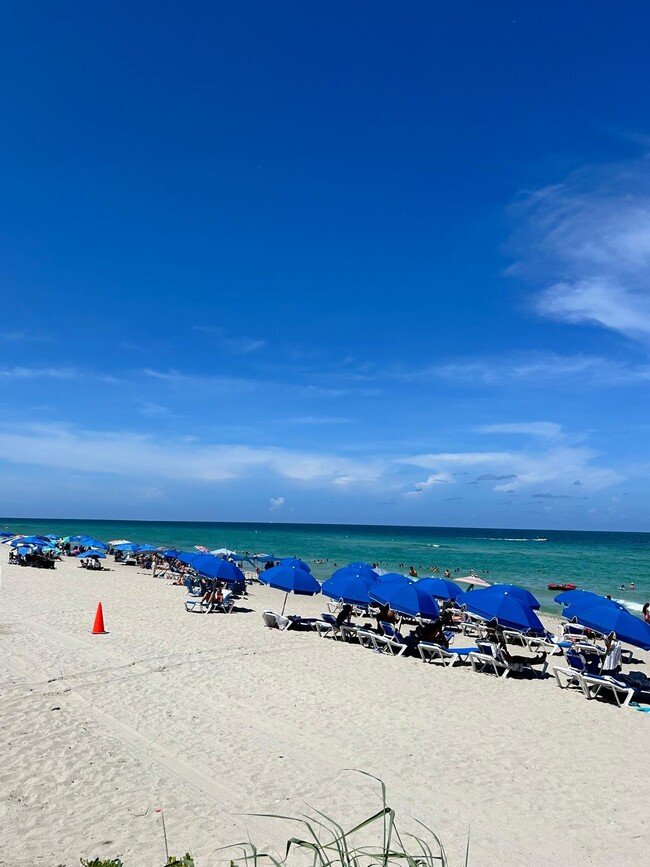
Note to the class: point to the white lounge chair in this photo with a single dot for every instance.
(430, 652)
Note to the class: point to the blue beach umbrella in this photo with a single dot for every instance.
(185, 557)
(211, 566)
(24, 551)
(89, 542)
(30, 540)
(94, 554)
(610, 618)
(171, 552)
(293, 561)
(406, 598)
(583, 597)
(509, 610)
(146, 548)
(291, 579)
(6, 534)
(440, 588)
(359, 571)
(362, 566)
(394, 578)
(351, 588)
(521, 593)
(126, 546)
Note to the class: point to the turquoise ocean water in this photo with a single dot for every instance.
(532, 558)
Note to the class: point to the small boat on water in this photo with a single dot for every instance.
(561, 586)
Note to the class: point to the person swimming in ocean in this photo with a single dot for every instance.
(622, 586)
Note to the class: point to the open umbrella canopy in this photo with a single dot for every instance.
(185, 557)
(406, 599)
(126, 546)
(509, 610)
(291, 579)
(145, 548)
(440, 588)
(474, 580)
(89, 542)
(348, 586)
(521, 593)
(264, 558)
(6, 534)
(293, 561)
(170, 552)
(84, 555)
(218, 552)
(394, 578)
(358, 571)
(583, 597)
(362, 566)
(211, 566)
(118, 541)
(610, 618)
(31, 540)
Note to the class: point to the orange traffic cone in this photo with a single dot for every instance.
(98, 626)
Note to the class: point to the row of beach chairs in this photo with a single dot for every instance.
(583, 658)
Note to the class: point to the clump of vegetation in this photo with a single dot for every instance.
(102, 862)
(328, 844)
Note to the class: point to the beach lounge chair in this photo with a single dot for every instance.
(595, 684)
(390, 642)
(365, 637)
(196, 604)
(327, 625)
(491, 659)
(430, 652)
(275, 621)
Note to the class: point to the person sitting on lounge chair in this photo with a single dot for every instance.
(385, 615)
(500, 649)
(432, 632)
(344, 615)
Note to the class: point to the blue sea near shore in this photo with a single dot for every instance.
(532, 558)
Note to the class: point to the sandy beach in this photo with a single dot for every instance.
(213, 717)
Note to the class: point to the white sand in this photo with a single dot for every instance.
(211, 717)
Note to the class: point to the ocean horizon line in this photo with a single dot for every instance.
(282, 524)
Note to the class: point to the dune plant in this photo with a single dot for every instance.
(327, 844)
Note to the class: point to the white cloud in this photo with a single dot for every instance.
(541, 368)
(521, 470)
(277, 502)
(430, 482)
(232, 342)
(589, 241)
(546, 429)
(39, 373)
(132, 454)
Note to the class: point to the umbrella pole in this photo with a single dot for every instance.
(286, 596)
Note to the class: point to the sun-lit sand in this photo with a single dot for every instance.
(212, 717)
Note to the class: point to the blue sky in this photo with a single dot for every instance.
(343, 262)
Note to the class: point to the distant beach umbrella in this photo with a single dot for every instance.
(264, 558)
(583, 597)
(214, 567)
(126, 546)
(440, 588)
(185, 557)
(146, 548)
(406, 599)
(118, 542)
(520, 592)
(85, 555)
(219, 552)
(171, 552)
(610, 618)
(394, 578)
(290, 579)
(351, 588)
(30, 540)
(6, 534)
(362, 566)
(89, 542)
(293, 561)
(473, 580)
(509, 610)
(361, 571)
